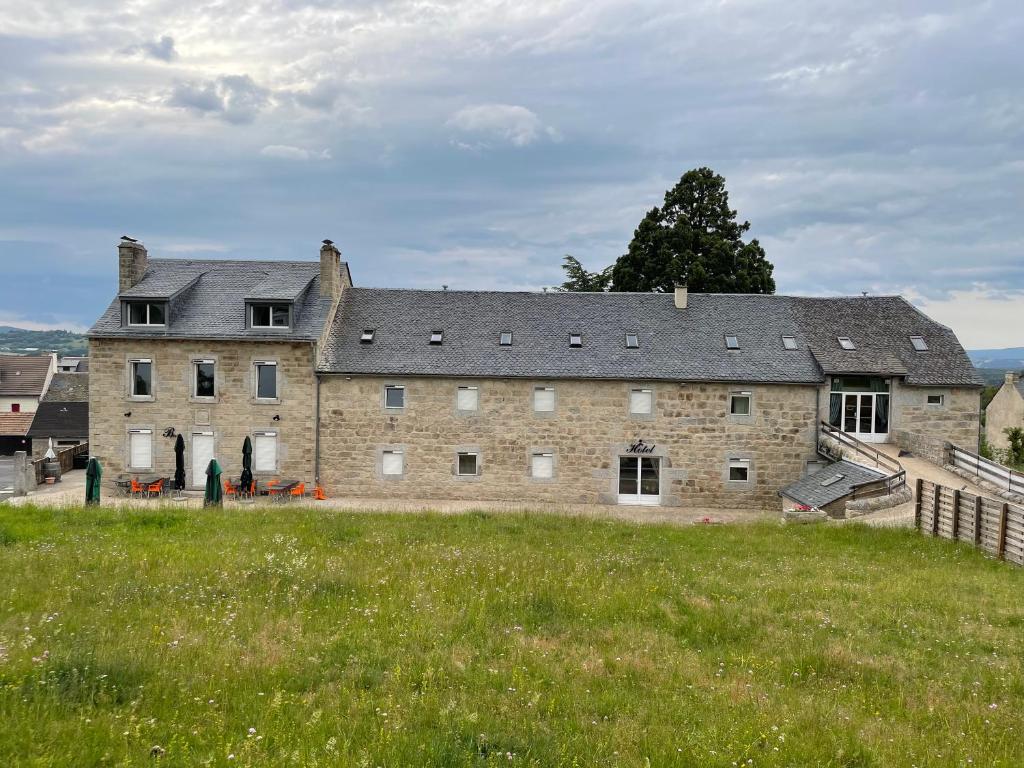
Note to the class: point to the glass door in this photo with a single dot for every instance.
(639, 480)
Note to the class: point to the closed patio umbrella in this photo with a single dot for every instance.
(245, 481)
(214, 496)
(179, 464)
(93, 475)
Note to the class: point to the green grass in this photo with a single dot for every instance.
(375, 640)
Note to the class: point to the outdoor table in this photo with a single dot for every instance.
(281, 491)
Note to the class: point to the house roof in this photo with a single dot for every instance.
(810, 490)
(68, 388)
(22, 375)
(208, 299)
(15, 424)
(60, 420)
(674, 344)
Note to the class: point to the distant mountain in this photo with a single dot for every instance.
(24, 342)
(1011, 358)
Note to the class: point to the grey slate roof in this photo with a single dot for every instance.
(60, 420)
(810, 491)
(68, 388)
(210, 299)
(679, 345)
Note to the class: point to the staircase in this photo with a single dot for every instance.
(836, 445)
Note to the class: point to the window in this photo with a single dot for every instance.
(15, 407)
(739, 403)
(468, 463)
(271, 316)
(575, 340)
(732, 342)
(436, 337)
(919, 343)
(739, 470)
(789, 342)
(542, 465)
(846, 342)
(142, 378)
(366, 337)
(146, 313)
(632, 341)
(467, 398)
(266, 380)
(264, 452)
(392, 463)
(832, 480)
(936, 399)
(394, 396)
(505, 339)
(205, 378)
(641, 401)
(140, 448)
(543, 399)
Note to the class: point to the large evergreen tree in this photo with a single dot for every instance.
(694, 240)
(577, 278)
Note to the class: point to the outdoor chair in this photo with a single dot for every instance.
(230, 489)
(155, 489)
(137, 488)
(298, 491)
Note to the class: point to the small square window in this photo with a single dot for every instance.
(270, 316)
(846, 342)
(468, 463)
(739, 470)
(366, 337)
(641, 401)
(146, 313)
(392, 463)
(436, 337)
(467, 399)
(505, 339)
(543, 399)
(394, 396)
(732, 342)
(936, 399)
(542, 465)
(919, 343)
(789, 342)
(205, 378)
(575, 340)
(632, 341)
(739, 403)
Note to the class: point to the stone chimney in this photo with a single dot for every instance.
(330, 270)
(681, 297)
(1010, 378)
(131, 263)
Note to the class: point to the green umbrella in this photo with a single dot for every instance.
(214, 495)
(93, 475)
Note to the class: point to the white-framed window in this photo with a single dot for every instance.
(575, 339)
(846, 343)
(141, 373)
(270, 316)
(436, 337)
(739, 470)
(542, 465)
(467, 398)
(147, 313)
(366, 337)
(543, 399)
(732, 342)
(739, 403)
(919, 343)
(789, 342)
(936, 399)
(264, 451)
(632, 341)
(641, 401)
(204, 378)
(266, 379)
(505, 339)
(140, 449)
(394, 396)
(467, 463)
(392, 462)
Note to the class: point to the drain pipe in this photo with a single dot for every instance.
(316, 433)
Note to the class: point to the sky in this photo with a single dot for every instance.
(874, 146)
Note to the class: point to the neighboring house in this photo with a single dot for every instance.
(672, 399)
(63, 415)
(216, 351)
(1005, 411)
(23, 382)
(72, 364)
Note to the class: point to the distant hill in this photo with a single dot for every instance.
(23, 342)
(1010, 358)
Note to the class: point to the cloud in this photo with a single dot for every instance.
(286, 152)
(234, 98)
(161, 49)
(504, 123)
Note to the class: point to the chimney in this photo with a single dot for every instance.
(330, 270)
(131, 262)
(681, 297)
(1010, 378)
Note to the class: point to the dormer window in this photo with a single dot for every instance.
(436, 337)
(505, 339)
(575, 340)
(366, 337)
(632, 341)
(146, 313)
(846, 343)
(732, 342)
(919, 343)
(270, 316)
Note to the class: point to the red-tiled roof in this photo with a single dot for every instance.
(15, 423)
(20, 375)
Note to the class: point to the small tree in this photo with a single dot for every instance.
(579, 279)
(1015, 451)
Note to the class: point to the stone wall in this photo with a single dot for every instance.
(232, 416)
(1006, 410)
(690, 430)
(923, 429)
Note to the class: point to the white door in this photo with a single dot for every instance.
(202, 454)
(639, 480)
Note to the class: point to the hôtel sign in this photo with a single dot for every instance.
(640, 448)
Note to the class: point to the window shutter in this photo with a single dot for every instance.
(264, 452)
(543, 399)
(391, 463)
(542, 465)
(640, 401)
(141, 449)
(467, 398)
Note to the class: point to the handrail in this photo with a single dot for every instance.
(890, 483)
(1012, 479)
(881, 460)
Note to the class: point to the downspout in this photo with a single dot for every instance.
(316, 430)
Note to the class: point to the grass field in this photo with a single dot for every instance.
(311, 638)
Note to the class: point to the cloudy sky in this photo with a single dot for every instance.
(874, 146)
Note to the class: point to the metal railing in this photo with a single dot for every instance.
(985, 469)
(846, 440)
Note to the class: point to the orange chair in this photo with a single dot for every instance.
(155, 488)
(229, 489)
(318, 494)
(298, 491)
(137, 487)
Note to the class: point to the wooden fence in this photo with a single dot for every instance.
(993, 526)
(1002, 477)
(66, 458)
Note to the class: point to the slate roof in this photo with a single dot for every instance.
(15, 424)
(68, 388)
(675, 344)
(23, 375)
(209, 299)
(60, 420)
(810, 491)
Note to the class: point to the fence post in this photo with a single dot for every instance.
(1001, 551)
(918, 490)
(935, 509)
(977, 521)
(956, 514)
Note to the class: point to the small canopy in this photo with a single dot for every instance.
(49, 450)
(93, 476)
(214, 495)
(179, 464)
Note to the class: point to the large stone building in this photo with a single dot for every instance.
(677, 400)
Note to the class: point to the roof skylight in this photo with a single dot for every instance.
(919, 343)
(505, 339)
(832, 480)
(366, 337)
(789, 342)
(732, 342)
(436, 337)
(632, 341)
(846, 342)
(575, 340)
